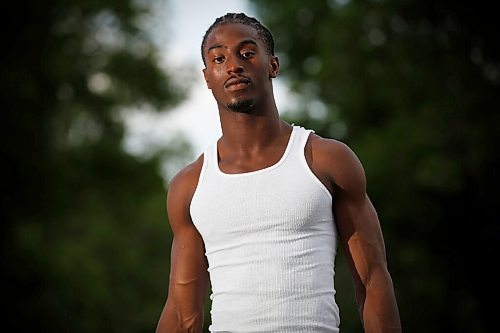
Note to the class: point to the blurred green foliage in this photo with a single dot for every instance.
(85, 243)
(414, 88)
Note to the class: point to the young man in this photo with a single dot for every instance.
(258, 215)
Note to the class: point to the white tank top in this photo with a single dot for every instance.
(270, 241)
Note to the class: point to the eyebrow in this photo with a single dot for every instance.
(243, 42)
(248, 41)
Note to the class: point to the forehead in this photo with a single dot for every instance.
(230, 34)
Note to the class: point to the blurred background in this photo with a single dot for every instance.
(103, 101)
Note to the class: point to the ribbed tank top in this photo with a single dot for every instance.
(270, 241)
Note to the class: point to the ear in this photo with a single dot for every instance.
(274, 67)
(206, 78)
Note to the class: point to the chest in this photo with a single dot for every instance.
(263, 205)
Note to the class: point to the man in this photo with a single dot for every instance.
(258, 215)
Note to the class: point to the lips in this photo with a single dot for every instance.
(237, 82)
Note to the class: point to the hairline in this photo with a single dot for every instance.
(263, 33)
(240, 44)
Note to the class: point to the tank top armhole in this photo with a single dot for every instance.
(203, 170)
(304, 138)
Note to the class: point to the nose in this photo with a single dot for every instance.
(234, 66)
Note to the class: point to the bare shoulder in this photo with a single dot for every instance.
(187, 178)
(321, 145)
(336, 161)
(181, 189)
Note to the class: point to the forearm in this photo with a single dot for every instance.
(379, 310)
(173, 320)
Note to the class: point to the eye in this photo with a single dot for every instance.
(248, 54)
(218, 59)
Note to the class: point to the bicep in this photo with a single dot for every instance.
(188, 266)
(361, 235)
(356, 218)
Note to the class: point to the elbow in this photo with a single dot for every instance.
(173, 320)
(376, 278)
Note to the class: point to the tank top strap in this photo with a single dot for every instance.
(209, 155)
(300, 141)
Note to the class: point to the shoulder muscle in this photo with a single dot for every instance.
(336, 161)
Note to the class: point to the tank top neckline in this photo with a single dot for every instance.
(258, 171)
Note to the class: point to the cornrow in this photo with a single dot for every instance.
(241, 18)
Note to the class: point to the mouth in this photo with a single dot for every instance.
(237, 83)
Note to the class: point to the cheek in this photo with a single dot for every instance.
(215, 77)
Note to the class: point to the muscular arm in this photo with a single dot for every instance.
(360, 235)
(183, 311)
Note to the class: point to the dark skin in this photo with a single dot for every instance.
(240, 72)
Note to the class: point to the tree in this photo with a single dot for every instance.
(414, 88)
(83, 224)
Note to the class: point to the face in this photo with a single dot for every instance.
(238, 68)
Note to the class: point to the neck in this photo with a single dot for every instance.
(252, 130)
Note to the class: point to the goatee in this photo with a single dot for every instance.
(243, 106)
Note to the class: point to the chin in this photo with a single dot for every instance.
(243, 106)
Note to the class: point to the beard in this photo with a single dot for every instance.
(242, 106)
